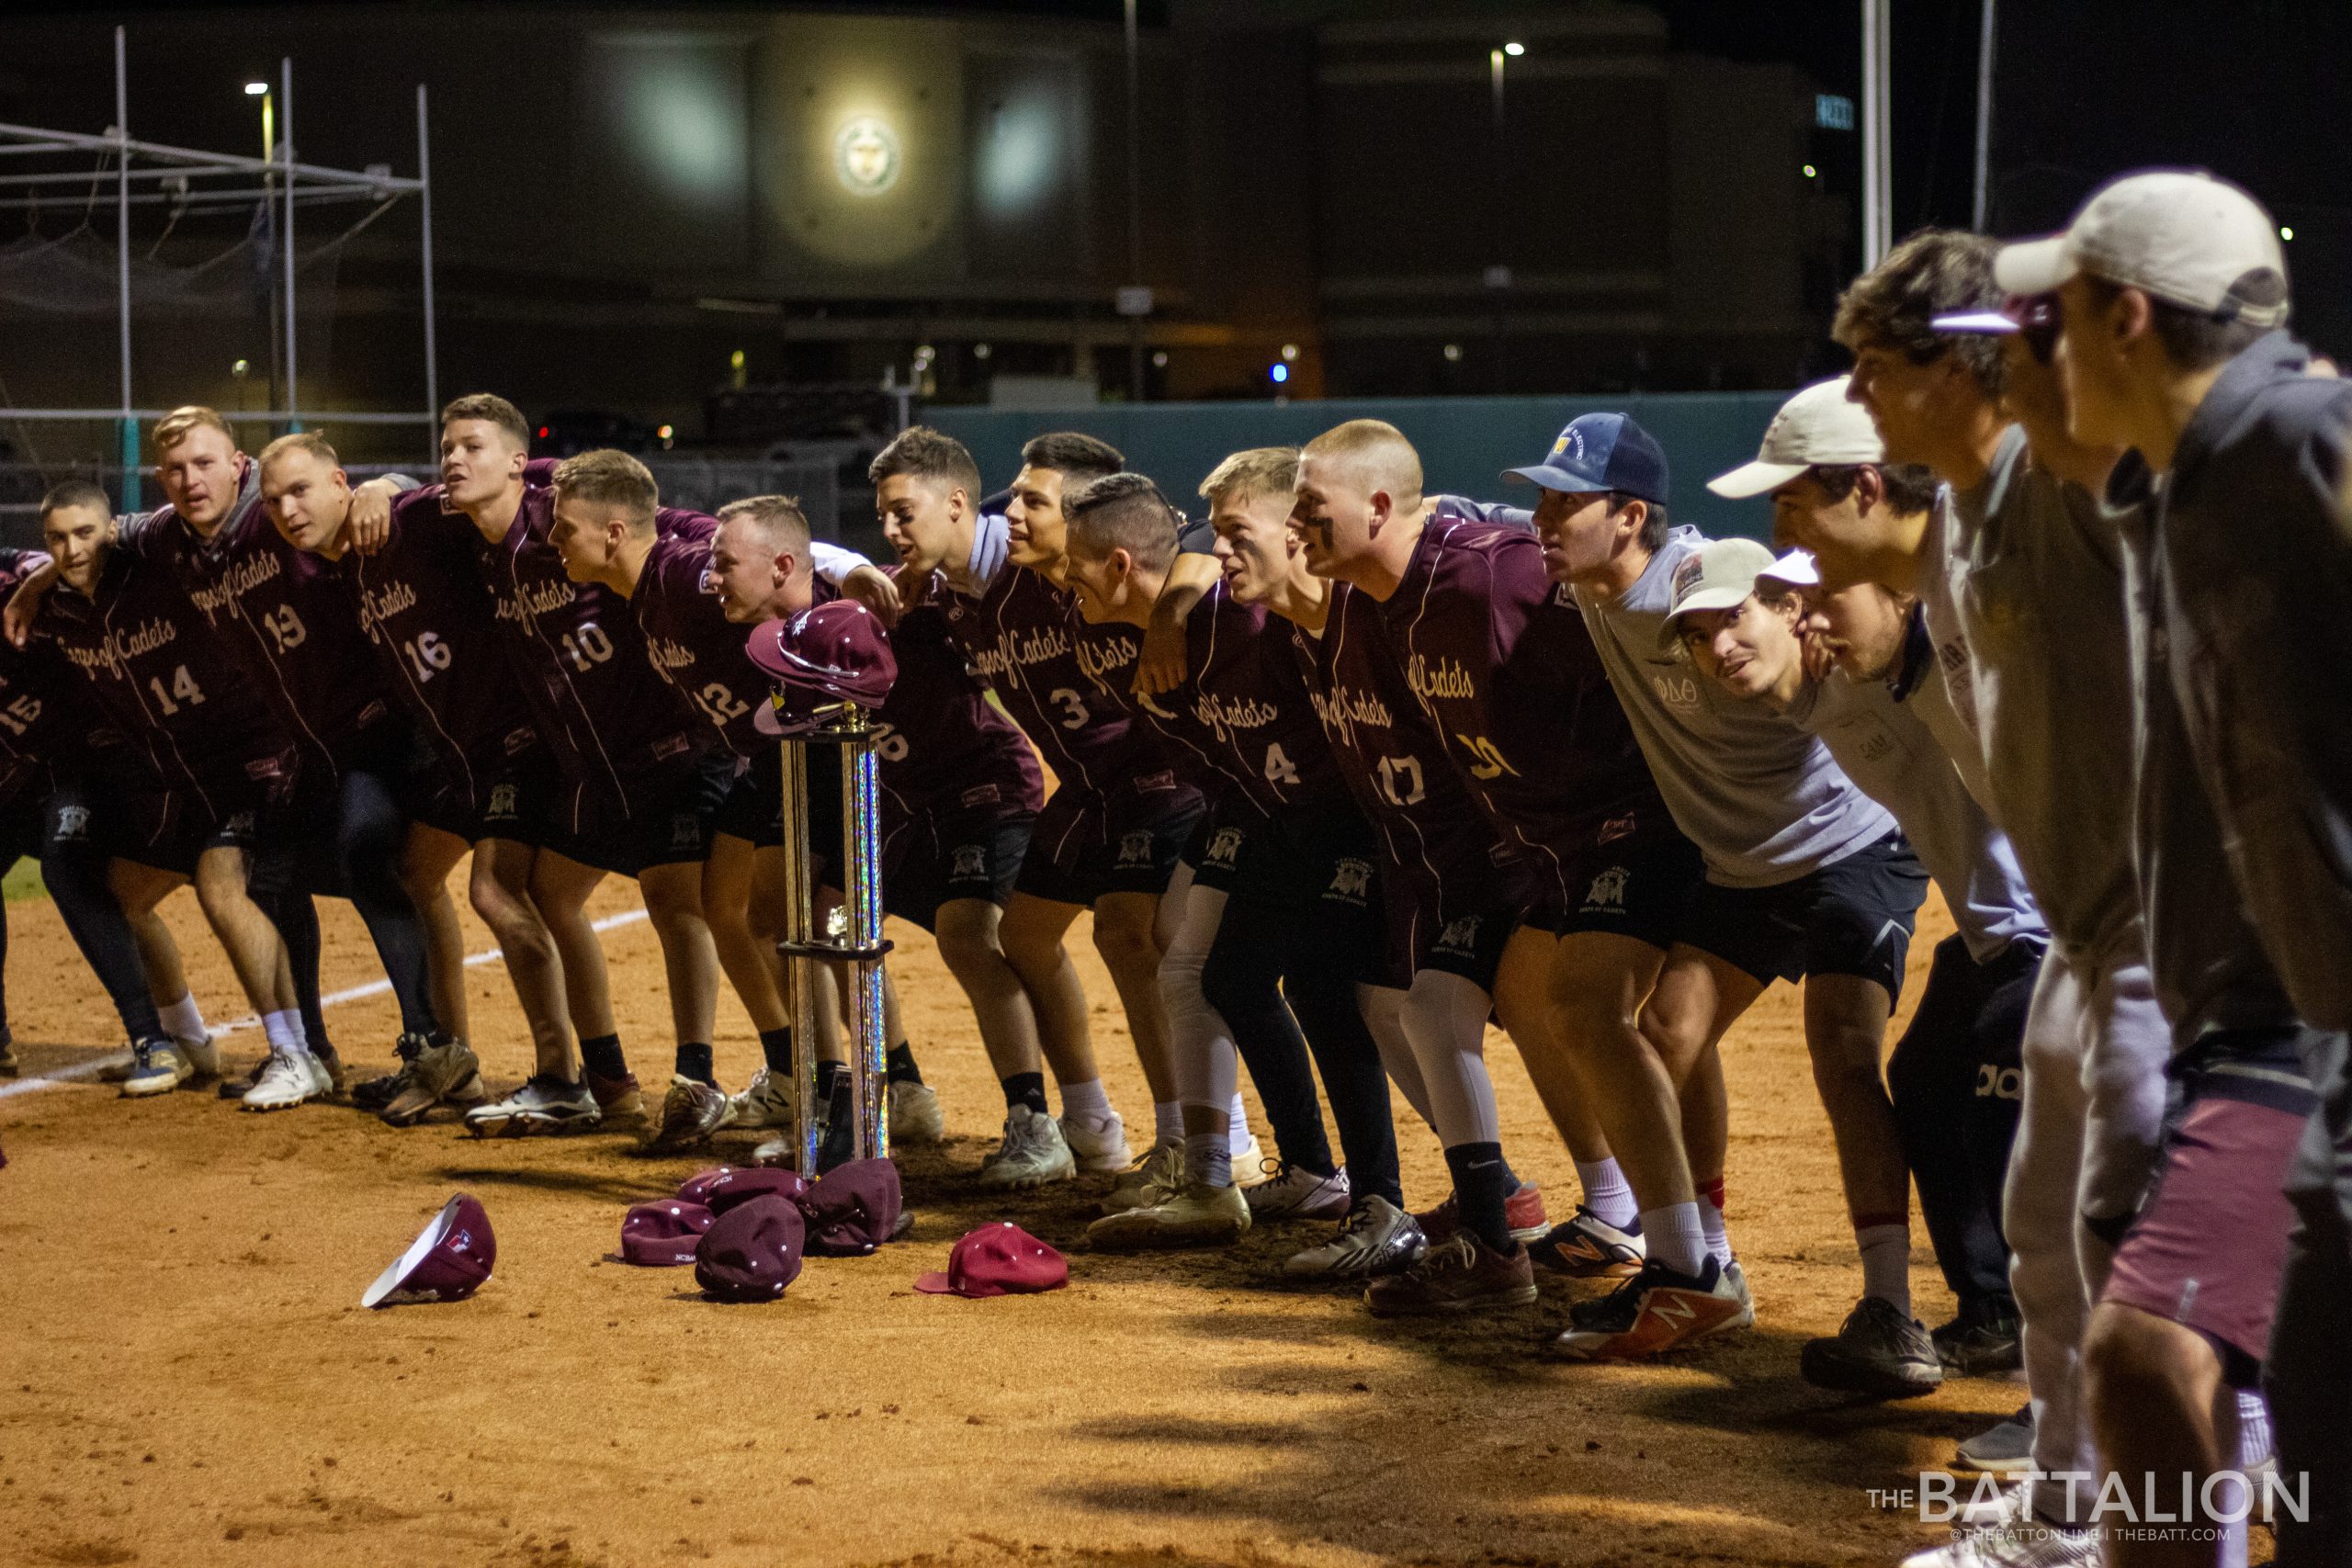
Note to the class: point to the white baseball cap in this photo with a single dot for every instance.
(1719, 575)
(2181, 235)
(1818, 426)
(1797, 568)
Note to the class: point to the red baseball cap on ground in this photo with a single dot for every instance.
(721, 1190)
(752, 1252)
(448, 1261)
(997, 1260)
(664, 1234)
(838, 652)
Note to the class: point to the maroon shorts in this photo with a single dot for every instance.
(2207, 1249)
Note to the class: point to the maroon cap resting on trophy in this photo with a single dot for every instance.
(836, 652)
(721, 1190)
(752, 1252)
(447, 1262)
(852, 1209)
(997, 1260)
(662, 1234)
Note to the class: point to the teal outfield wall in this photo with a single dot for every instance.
(1466, 443)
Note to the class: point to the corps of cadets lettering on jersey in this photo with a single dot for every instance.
(1243, 721)
(421, 604)
(1507, 673)
(44, 722)
(618, 731)
(689, 638)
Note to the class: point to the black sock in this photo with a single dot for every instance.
(1511, 1182)
(694, 1062)
(833, 1077)
(775, 1046)
(1478, 1191)
(1025, 1088)
(601, 1055)
(901, 1061)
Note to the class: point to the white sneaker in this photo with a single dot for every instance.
(203, 1057)
(1155, 1179)
(1375, 1238)
(1100, 1146)
(915, 1115)
(1737, 1279)
(287, 1080)
(766, 1103)
(1298, 1194)
(1250, 1166)
(1034, 1153)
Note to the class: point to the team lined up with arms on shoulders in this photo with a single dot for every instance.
(1344, 770)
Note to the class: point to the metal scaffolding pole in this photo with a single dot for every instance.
(424, 201)
(1980, 210)
(286, 144)
(1878, 182)
(129, 430)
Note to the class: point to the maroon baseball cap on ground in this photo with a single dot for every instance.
(752, 1252)
(448, 1261)
(852, 1209)
(721, 1190)
(997, 1260)
(664, 1234)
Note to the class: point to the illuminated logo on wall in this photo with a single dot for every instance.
(865, 156)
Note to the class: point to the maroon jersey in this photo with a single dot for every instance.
(287, 614)
(46, 721)
(1243, 722)
(1502, 665)
(945, 748)
(166, 677)
(618, 731)
(438, 650)
(690, 640)
(1436, 839)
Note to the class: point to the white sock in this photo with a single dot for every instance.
(1167, 1120)
(2254, 1429)
(1237, 1127)
(1086, 1102)
(1674, 1237)
(1605, 1192)
(182, 1020)
(1207, 1159)
(1711, 1226)
(1887, 1263)
(284, 1033)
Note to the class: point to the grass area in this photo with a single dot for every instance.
(23, 881)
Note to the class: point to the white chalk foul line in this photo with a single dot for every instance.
(91, 1069)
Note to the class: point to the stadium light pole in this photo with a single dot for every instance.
(1134, 209)
(260, 89)
(129, 433)
(1878, 183)
(286, 76)
(1981, 209)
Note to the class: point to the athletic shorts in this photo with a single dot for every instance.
(2207, 1247)
(1085, 847)
(1218, 842)
(235, 806)
(672, 828)
(754, 809)
(929, 861)
(1851, 917)
(1469, 945)
(523, 802)
(1637, 888)
(1319, 862)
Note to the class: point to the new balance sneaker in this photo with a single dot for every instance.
(1586, 1246)
(287, 1079)
(691, 1113)
(916, 1116)
(1460, 1274)
(617, 1099)
(1522, 1211)
(1657, 1310)
(766, 1103)
(1294, 1192)
(1980, 1344)
(542, 1103)
(1098, 1145)
(1200, 1216)
(1375, 1239)
(1033, 1154)
(1155, 1179)
(156, 1068)
(443, 1070)
(1877, 1352)
(2003, 1449)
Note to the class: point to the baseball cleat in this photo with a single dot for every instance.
(374, 1094)
(1656, 1310)
(203, 1057)
(691, 1113)
(2002, 1449)
(1980, 1344)
(1032, 1154)
(1155, 1179)
(156, 1068)
(1201, 1215)
(1586, 1246)
(1522, 1211)
(1376, 1239)
(1250, 1166)
(240, 1087)
(287, 1079)
(767, 1103)
(1460, 1274)
(1101, 1145)
(915, 1113)
(617, 1099)
(438, 1070)
(543, 1103)
(1296, 1193)
(1876, 1351)
(334, 1078)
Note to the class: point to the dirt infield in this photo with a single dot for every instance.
(186, 1375)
